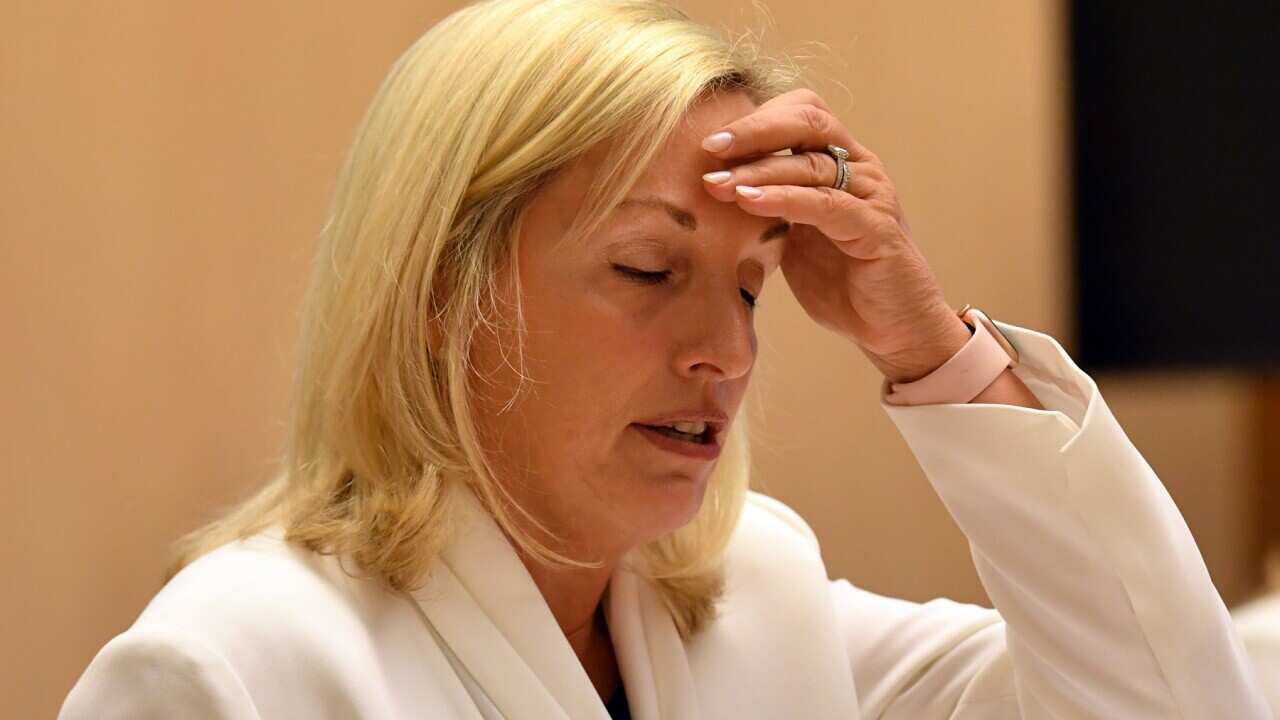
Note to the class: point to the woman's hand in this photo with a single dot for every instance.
(850, 260)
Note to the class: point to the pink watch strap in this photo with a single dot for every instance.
(962, 377)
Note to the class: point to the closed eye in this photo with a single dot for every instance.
(646, 276)
(654, 277)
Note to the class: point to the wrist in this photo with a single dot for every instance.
(928, 355)
(1008, 389)
(979, 371)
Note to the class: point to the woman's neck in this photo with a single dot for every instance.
(594, 647)
(576, 599)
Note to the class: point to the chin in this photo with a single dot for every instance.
(670, 502)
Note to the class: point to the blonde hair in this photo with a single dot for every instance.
(471, 121)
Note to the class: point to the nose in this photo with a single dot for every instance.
(720, 339)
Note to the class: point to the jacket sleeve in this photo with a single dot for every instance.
(1103, 605)
(150, 674)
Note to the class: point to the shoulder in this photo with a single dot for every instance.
(775, 609)
(258, 618)
(771, 515)
(773, 546)
(265, 584)
(157, 672)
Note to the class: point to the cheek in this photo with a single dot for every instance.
(592, 347)
(585, 359)
(608, 332)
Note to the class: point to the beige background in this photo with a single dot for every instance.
(165, 168)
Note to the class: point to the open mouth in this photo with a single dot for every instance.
(703, 438)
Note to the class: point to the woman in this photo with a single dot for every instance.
(516, 479)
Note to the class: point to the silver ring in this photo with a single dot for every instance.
(841, 156)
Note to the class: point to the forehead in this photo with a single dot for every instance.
(683, 149)
(675, 171)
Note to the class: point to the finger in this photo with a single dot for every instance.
(769, 130)
(815, 169)
(806, 96)
(799, 96)
(854, 223)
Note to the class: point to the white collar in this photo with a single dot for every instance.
(484, 604)
(775, 650)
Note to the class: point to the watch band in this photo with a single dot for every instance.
(967, 373)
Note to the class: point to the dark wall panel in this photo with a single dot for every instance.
(1177, 183)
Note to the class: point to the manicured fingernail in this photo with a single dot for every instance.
(718, 142)
(717, 177)
(749, 192)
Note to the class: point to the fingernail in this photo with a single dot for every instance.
(717, 177)
(749, 192)
(718, 142)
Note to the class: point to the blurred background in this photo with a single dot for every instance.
(1079, 170)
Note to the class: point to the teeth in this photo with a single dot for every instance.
(692, 428)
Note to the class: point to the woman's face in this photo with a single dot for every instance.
(607, 351)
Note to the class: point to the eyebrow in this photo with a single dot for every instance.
(687, 221)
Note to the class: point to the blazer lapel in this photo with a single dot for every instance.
(505, 679)
(651, 656)
(483, 603)
(773, 652)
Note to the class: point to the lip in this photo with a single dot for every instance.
(709, 451)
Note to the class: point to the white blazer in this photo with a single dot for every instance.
(1258, 623)
(1103, 609)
